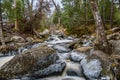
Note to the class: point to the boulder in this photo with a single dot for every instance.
(116, 29)
(29, 39)
(56, 68)
(114, 36)
(77, 56)
(97, 65)
(86, 49)
(116, 46)
(17, 39)
(116, 65)
(28, 62)
(45, 32)
(91, 68)
(101, 56)
(7, 40)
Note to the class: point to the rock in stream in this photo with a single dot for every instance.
(29, 62)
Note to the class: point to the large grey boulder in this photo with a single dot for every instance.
(92, 68)
(77, 56)
(28, 62)
(56, 68)
(17, 39)
(97, 65)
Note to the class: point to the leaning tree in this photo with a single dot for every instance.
(102, 43)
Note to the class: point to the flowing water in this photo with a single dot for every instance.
(72, 71)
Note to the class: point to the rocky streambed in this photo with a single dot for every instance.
(58, 58)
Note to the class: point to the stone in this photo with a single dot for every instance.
(7, 39)
(45, 32)
(97, 65)
(29, 39)
(77, 56)
(116, 29)
(84, 49)
(17, 39)
(28, 62)
(92, 68)
(97, 54)
(114, 36)
(56, 68)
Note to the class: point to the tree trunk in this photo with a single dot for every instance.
(30, 6)
(16, 24)
(119, 4)
(16, 21)
(102, 43)
(111, 14)
(103, 11)
(59, 17)
(1, 25)
(85, 13)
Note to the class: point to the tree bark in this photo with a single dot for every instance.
(85, 13)
(111, 14)
(59, 17)
(1, 25)
(16, 21)
(30, 6)
(102, 43)
(119, 4)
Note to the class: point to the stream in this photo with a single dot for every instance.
(73, 69)
(61, 46)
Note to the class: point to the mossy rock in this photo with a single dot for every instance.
(106, 62)
(108, 32)
(28, 62)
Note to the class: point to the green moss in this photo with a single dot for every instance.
(27, 62)
(78, 31)
(108, 32)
